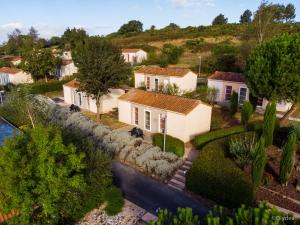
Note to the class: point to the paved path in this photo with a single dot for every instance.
(151, 194)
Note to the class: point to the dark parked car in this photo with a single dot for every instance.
(137, 132)
(74, 108)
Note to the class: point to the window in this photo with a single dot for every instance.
(156, 84)
(162, 123)
(136, 115)
(259, 102)
(147, 120)
(228, 92)
(148, 83)
(243, 95)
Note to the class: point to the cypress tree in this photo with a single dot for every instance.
(234, 103)
(246, 113)
(288, 158)
(269, 123)
(259, 162)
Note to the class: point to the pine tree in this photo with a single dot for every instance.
(259, 162)
(246, 113)
(288, 158)
(269, 123)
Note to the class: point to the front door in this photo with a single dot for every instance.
(242, 96)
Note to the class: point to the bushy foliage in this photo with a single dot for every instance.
(259, 162)
(42, 87)
(288, 158)
(269, 123)
(242, 147)
(114, 200)
(234, 103)
(217, 177)
(172, 53)
(204, 93)
(131, 27)
(220, 20)
(172, 144)
(261, 214)
(246, 113)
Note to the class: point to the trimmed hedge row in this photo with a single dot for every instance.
(43, 87)
(172, 144)
(217, 177)
(202, 139)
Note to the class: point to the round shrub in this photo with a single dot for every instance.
(114, 200)
(217, 177)
(172, 144)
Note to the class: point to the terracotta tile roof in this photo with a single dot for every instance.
(130, 50)
(66, 61)
(10, 70)
(72, 84)
(7, 216)
(161, 101)
(228, 76)
(16, 58)
(169, 71)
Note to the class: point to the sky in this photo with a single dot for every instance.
(101, 17)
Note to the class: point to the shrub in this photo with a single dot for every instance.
(269, 123)
(259, 162)
(172, 144)
(295, 126)
(115, 201)
(234, 102)
(43, 87)
(288, 158)
(246, 113)
(217, 177)
(242, 148)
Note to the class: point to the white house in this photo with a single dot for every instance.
(14, 76)
(153, 112)
(81, 99)
(134, 55)
(66, 55)
(67, 68)
(229, 82)
(154, 78)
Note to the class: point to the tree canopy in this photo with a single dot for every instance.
(246, 17)
(131, 26)
(101, 67)
(220, 20)
(73, 36)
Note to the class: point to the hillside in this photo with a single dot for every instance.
(209, 42)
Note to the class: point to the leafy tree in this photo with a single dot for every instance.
(72, 37)
(288, 158)
(225, 58)
(101, 67)
(42, 177)
(246, 17)
(259, 162)
(172, 26)
(172, 53)
(152, 27)
(131, 26)
(33, 33)
(247, 111)
(272, 70)
(220, 20)
(40, 63)
(269, 123)
(289, 13)
(204, 93)
(234, 103)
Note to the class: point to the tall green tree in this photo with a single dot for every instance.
(246, 113)
(220, 20)
(289, 13)
(246, 17)
(269, 123)
(72, 37)
(259, 162)
(172, 53)
(234, 103)
(288, 158)
(131, 26)
(101, 67)
(43, 177)
(172, 26)
(272, 70)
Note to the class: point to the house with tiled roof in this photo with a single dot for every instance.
(67, 67)
(155, 112)
(155, 78)
(86, 102)
(134, 55)
(10, 75)
(228, 82)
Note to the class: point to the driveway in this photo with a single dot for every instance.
(151, 194)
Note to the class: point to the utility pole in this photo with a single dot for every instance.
(165, 130)
(200, 61)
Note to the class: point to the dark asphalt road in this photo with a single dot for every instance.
(151, 194)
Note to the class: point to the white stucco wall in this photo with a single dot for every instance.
(67, 94)
(68, 70)
(186, 83)
(176, 125)
(135, 57)
(139, 79)
(20, 78)
(280, 106)
(124, 109)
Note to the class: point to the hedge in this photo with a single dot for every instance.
(202, 139)
(172, 144)
(115, 201)
(217, 177)
(43, 87)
